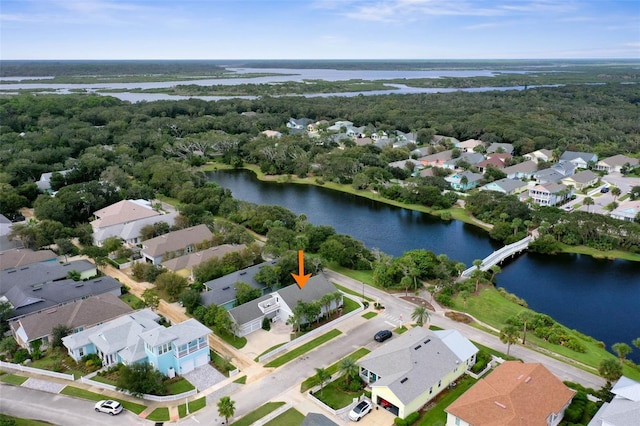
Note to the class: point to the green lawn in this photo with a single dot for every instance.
(332, 369)
(349, 305)
(6, 420)
(599, 254)
(436, 416)
(369, 315)
(221, 364)
(269, 350)
(13, 379)
(351, 292)
(257, 414)
(92, 396)
(194, 406)
(160, 414)
(281, 360)
(333, 396)
(180, 386)
(235, 341)
(132, 301)
(291, 417)
(400, 330)
(492, 308)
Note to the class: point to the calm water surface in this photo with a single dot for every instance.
(597, 297)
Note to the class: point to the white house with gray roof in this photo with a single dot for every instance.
(506, 186)
(623, 409)
(616, 163)
(580, 159)
(413, 368)
(279, 305)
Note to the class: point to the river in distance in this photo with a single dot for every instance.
(600, 298)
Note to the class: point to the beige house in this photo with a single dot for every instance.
(616, 163)
(514, 394)
(581, 180)
(413, 368)
(174, 244)
(469, 145)
(184, 265)
(125, 219)
(545, 155)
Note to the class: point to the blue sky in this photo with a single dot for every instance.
(319, 29)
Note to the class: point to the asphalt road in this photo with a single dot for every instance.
(59, 409)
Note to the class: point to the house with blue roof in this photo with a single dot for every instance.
(138, 337)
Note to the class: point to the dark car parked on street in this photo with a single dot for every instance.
(382, 335)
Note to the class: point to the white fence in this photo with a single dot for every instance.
(337, 412)
(145, 396)
(313, 333)
(32, 370)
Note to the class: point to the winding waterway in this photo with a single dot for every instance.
(600, 298)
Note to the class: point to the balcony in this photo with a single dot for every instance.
(269, 306)
(192, 348)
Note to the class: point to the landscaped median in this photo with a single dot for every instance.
(303, 349)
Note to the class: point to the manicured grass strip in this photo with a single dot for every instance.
(92, 396)
(291, 417)
(160, 414)
(437, 415)
(242, 380)
(334, 396)
(351, 292)
(269, 350)
(258, 413)
(332, 369)
(194, 406)
(349, 305)
(369, 315)
(132, 301)
(281, 360)
(8, 420)
(400, 330)
(13, 379)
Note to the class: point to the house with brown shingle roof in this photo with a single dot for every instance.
(78, 316)
(514, 394)
(185, 264)
(173, 244)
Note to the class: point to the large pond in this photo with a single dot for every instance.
(600, 298)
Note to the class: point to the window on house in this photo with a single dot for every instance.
(81, 352)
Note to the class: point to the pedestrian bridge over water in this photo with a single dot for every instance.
(499, 255)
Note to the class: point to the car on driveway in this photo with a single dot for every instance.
(359, 411)
(382, 335)
(108, 406)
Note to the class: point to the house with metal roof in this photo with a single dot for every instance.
(279, 305)
(513, 394)
(78, 316)
(623, 409)
(506, 186)
(413, 368)
(138, 337)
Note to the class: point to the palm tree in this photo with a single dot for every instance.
(478, 272)
(610, 369)
(465, 295)
(622, 349)
(420, 315)
(588, 201)
(460, 267)
(295, 320)
(226, 408)
(515, 223)
(337, 298)
(615, 191)
(326, 300)
(495, 270)
(526, 317)
(406, 283)
(348, 367)
(509, 335)
(636, 342)
(323, 377)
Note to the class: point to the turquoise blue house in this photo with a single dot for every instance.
(463, 181)
(137, 337)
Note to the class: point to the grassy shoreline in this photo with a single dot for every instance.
(457, 213)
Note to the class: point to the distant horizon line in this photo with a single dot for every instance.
(330, 59)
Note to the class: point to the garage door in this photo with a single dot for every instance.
(187, 366)
(202, 360)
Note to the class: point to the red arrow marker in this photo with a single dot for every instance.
(301, 278)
